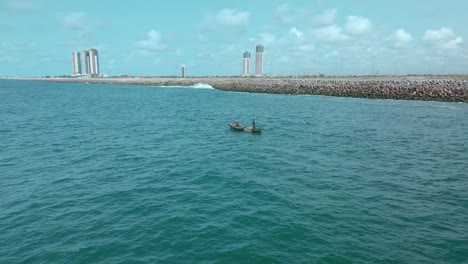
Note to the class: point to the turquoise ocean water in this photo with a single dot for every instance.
(126, 174)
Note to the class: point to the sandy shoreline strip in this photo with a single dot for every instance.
(449, 89)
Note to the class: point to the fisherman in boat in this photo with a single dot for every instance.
(253, 123)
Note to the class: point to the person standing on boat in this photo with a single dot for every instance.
(253, 123)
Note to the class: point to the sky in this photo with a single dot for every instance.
(154, 38)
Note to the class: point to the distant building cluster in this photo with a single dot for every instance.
(258, 62)
(91, 63)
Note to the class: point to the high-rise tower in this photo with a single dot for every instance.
(246, 64)
(87, 62)
(259, 61)
(76, 62)
(91, 60)
(94, 62)
(184, 70)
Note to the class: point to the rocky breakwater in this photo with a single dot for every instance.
(447, 90)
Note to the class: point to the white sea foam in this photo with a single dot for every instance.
(202, 86)
(195, 86)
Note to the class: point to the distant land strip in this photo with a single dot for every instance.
(425, 88)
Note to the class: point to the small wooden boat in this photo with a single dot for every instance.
(236, 126)
(253, 129)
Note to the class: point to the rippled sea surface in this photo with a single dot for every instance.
(126, 174)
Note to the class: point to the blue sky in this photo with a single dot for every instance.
(141, 37)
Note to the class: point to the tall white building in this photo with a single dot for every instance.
(94, 63)
(246, 64)
(87, 63)
(259, 61)
(91, 60)
(76, 62)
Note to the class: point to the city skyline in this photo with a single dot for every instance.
(333, 37)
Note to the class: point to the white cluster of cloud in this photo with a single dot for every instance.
(266, 39)
(354, 37)
(301, 49)
(328, 31)
(285, 15)
(326, 18)
(331, 32)
(79, 22)
(73, 20)
(153, 42)
(358, 25)
(297, 33)
(225, 19)
(232, 18)
(400, 39)
(443, 38)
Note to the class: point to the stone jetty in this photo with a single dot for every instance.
(432, 88)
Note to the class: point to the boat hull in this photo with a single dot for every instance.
(252, 129)
(236, 127)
